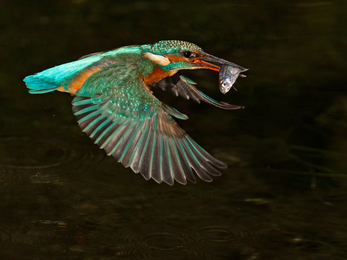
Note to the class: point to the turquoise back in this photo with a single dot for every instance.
(51, 79)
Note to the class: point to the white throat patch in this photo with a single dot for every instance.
(158, 59)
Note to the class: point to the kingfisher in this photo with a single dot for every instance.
(116, 108)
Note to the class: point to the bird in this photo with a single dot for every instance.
(115, 106)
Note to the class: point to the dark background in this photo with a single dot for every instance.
(283, 195)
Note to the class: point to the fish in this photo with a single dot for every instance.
(228, 75)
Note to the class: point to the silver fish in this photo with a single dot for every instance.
(228, 75)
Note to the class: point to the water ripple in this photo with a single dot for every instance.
(218, 234)
(8, 179)
(235, 237)
(40, 153)
(185, 195)
(159, 245)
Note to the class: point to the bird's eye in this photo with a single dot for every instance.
(187, 54)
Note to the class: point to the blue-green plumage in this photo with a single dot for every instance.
(50, 79)
(116, 109)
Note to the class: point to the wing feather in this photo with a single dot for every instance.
(184, 87)
(130, 124)
(185, 161)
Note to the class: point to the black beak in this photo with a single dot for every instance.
(214, 59)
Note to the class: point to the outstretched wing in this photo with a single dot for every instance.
(119, 114)
(182, 86)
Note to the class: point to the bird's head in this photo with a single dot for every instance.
(174, 55)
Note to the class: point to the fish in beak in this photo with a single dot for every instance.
(228, 71)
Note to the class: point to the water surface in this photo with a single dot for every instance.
(283, 195)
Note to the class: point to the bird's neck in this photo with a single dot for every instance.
(158, 74)
(149, 70)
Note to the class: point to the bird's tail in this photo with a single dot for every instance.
(60, 76)
(37, 85)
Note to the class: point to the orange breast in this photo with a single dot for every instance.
(157, 75)
(78, 81)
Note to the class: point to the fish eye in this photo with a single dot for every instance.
(187, 54)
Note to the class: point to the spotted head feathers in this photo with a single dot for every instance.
(171, 46)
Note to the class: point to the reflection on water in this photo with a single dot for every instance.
(284, 193)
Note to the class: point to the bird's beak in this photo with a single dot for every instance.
(203, 62)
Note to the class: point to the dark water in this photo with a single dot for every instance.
(284, 193)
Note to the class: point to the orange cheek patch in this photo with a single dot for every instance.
(175, 58)
(78, 81)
